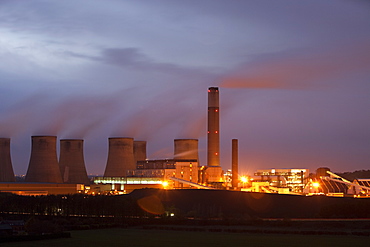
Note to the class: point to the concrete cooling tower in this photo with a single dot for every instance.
(71, 162)
(6, 168)
(120, 157)
(43, 166)
(139, 151)
(186, 149)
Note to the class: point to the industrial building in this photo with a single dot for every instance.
(293, 179)
(154, 173)
(37, 189)
(331, 184)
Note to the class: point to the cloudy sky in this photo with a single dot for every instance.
(294, 78)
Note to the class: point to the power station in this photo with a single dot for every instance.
(127, 168)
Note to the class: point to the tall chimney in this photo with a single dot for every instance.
(214, 170)
(186, 149)
(43, 166)
(139, 151)
(71, 162)
(213, 140)
(120, 157)
(6, 168)
(234, 163)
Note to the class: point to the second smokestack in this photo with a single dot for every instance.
(234, 163)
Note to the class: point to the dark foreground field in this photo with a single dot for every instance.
(144, 237)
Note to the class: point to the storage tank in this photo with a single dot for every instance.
(6, 168)
(43, 166)
(120, 157)
(71, 162)
(186, 149)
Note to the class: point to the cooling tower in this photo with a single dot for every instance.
(213, 137)
(120, 157)
(43, 166)
(71, 162)
(234, 163)
(139, 151)
(6, 168)
(186, 149)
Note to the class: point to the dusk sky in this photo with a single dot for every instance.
(294, 78)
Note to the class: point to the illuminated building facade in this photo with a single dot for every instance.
(155, 174)
(188, 171)
(37, 189)
(294, 179)
(331, 184)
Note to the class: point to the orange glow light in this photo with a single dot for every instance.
(244, 179)
(164, 184)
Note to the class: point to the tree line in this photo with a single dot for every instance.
(70, 205)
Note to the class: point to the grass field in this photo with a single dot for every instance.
(139, 237)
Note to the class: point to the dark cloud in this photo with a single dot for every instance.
(133, 58)
(299, 69)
